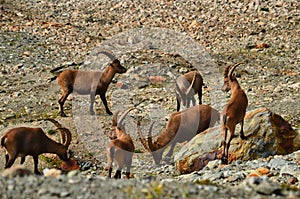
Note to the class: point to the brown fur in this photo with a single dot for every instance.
(235, 110)
(88, 83)
(23, 141)
(182, 126)
(120, 149)
(187, 86)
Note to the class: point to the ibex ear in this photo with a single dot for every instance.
(118, 128)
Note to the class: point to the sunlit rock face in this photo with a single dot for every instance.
(268, 134)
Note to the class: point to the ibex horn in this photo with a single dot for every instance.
(122, 117)
(232, 69)
(191, 85)
(68, 135)
(109, 55)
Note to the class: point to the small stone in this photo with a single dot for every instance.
(69, 165)
(52, 173)
(87, 40)
(86, 165)
(26, 53)
(293, 180)
(157, 79)
(64, 194)
(73, 173)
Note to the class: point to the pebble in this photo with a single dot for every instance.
(71, 31)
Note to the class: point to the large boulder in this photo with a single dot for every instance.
(268, 134)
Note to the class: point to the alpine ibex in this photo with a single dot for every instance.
(234, 111)
(23, 141)
(89, 83)
(187, 86)
(182, 126)
(120, 148)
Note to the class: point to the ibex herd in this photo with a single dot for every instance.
(181, 126)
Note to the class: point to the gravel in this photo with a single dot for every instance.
(39, 36)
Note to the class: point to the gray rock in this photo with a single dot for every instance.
(268, 134)
(277, 163)
(262, 185)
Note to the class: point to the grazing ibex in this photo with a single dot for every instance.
(234, 111)
(120, 148)
(89, 83)
(187, 86)
(182, 126)
(23, 141)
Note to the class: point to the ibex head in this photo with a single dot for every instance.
(153, 147)
(63, 151)
(228, 77)
(118, 123)
(115, 63)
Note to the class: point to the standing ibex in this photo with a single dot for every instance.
(89, 83)
(182, 126)
(234, 111)
(120, 148)
(23, 141)
(187, 86)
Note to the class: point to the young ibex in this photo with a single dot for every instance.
(23, 141)
(89, 83)
(187, 86)
(234, 111)
(182, 126)
(120, 148)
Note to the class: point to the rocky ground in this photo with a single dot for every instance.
(39, 36)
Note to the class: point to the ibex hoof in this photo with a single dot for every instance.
(63, 115)
(243, 137)
(37, 173)
(224, 160)
(109, 112)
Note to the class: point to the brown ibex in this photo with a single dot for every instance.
(89, 83)
(120, 148)
(182, 126)
(23, 141)
(234, 111)
(187, 86)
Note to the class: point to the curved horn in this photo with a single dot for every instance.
(150, 143)
(114, 118)
(122, 117)
(68, 135)
(109, 55)
(226, 70)
(141, 138)
(232, 69)
(191, 85)
(58, 125)
(178, 89)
